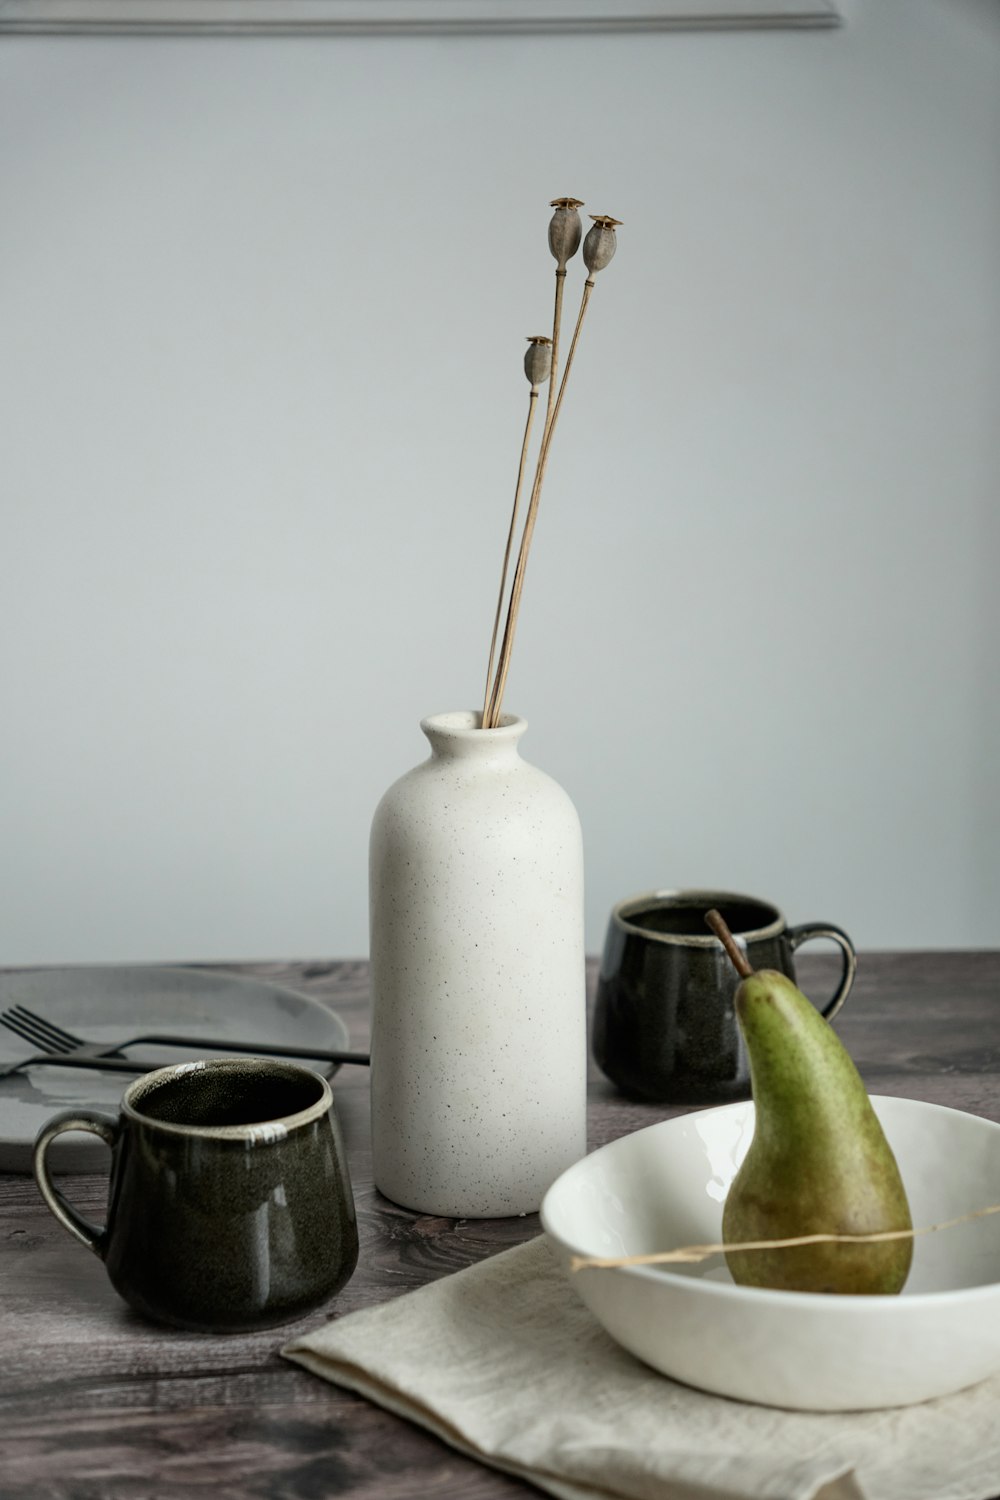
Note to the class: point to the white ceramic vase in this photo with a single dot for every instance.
(479, 1053)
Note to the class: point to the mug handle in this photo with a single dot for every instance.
(70, 1119)
(804, 933)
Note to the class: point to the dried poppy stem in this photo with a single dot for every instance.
(517, 588)
(532, 400)
(556, 323)
(598, 248)
(536, 365)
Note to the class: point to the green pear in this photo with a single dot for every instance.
(819, 1162)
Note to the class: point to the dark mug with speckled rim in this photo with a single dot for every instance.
(229, 1206)
(665, 1027)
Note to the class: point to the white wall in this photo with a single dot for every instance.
(263, 304)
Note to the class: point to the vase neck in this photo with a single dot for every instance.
(457, 736)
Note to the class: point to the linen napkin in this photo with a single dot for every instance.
(505, 1363)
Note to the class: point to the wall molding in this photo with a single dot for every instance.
(401, 17)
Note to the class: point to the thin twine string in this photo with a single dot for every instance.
(692, 1254)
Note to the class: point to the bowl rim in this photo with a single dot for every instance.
(766, 1296)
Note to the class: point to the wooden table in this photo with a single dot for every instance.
(97, 1405)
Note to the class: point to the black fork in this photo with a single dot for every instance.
(49, 1037)
(73, 1051)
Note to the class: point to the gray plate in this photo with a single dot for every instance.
(113, 1003)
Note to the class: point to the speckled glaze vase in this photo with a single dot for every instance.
(478, 1077)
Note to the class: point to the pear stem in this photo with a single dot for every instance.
(737, 957)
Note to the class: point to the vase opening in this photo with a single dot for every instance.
(458, 734)
(462, 720)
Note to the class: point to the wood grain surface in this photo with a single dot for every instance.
(96, 1404)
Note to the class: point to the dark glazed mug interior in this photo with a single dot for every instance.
(681, 915)
(210, 1098)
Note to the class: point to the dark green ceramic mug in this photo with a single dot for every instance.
(665, 1025)
(230, 1205)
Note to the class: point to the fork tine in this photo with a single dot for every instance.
(68, 1037)
(25, 1030)
(36, 1029)
(20, 1028)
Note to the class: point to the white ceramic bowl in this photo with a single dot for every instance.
(663, 1187)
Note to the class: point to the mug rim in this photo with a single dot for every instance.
(253, 1132)
(622, 910)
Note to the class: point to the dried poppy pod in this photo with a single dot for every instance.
(538, 359)
(565, 229)
(600, 244)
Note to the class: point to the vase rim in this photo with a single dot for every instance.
(463, 724)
